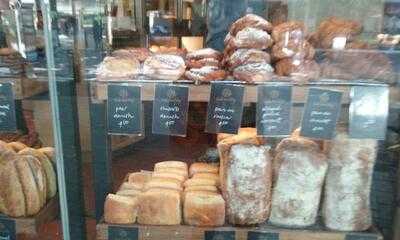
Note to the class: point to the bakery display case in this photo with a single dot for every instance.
(281, 124)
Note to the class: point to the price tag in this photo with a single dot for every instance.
(355, 236)
(122, 233)
(8, 118)
(321, 113)
(262, 236)
(219, 235)
(225, 108)
(124, 110)
(368, 112)
(7, 229)
(170, 110)
(274, 106)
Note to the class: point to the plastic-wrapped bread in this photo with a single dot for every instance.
(346, 205)
(293, 48)
(205, 53)
(248, 56)
(289, 30)
(299, 69)
(164, 67)
(205, 74)
(254, 72)
(250, 20)
(246, 177)
(301, 171)
(113, 68)
(250, 38)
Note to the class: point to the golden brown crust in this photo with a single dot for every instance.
(141, 54)
(212, 62)
(298, 69)
(202, 168)
(206, 188)
(289, 30)
(205, 74)
(294, 48)
(120, 209)
(40, 178)
(50, 153)
(204, 209)
(118, 68)
(16, 146)
(250, 20)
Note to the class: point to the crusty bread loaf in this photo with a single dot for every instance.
(250, 38)
(298, 69)
(200, 182)
(202, 63)
(120, 209)
(17, 146)
(245, 185)
(346, 205)
(139, 178)
(250, 20)
(171, 164)
(160, 207)
(129, 192)
(205, 74)
(200, 167)
(204, 209)
(203, 54)
(50, 153)
(131, 186)
(207, 176)
(164, 67)
(113, 68)
(177, 171)
(168, 179)
(288, 31)
(301, 172)
(51, 179)
(29, 187)
(254, 72)
(164, 183)
(141, 54)
(247, 56)
(178, 177)
(40, 178)
(201, 188)
(301, 49)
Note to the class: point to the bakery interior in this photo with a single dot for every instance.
(65, 174)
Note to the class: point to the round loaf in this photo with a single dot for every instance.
(140, 54)
(293, 48)
(113, 68)
(250, 38)
(164, 67)
(16, 146)
(204, 53)
(289, 30)
(205, 74)
(202, 63)
(299, 70)
(248, 56)
(250, 20)
(254, 72)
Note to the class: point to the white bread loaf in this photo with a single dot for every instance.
(202, 188)
(164, 183)
(207, 176)
(171, 164)
(301, 172)
(204, 209)
(346, 205)
(139, 178)
(200, 182)
(130, 186)
(120, 209)
(202, 168)
(178, 177)
(129, 193)
(246, 177)
(160, 207)
(177, 171)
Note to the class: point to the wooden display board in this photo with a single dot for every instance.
(182, 232)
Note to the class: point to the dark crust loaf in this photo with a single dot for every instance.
(250, 38)
(141, 54)
(204, 53)
(254, 72)
(250, 20)
(334, 27)
(202, 63)
(205, 74)
(298, 48)
(118, 68)
(247, 56)
(289, 30)
(298, 69)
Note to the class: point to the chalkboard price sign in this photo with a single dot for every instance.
(321, 113)
(122, 233)
(274, 106)
(7, 229)
(8, 121)
(170, 110)
(124, 110)
(225, 108)
(262, 236)
(219, 235)
(368, 112)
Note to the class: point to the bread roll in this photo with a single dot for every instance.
(245, 185)
(179, 177)
(200, 182)
(120, 209)
(202, 168)
(301, 172)
(204, 209)
(250, 20)
(346, 205)
(51, 179)
(160, 207)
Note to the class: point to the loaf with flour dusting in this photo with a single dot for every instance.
(301, 169)
(346, 205)
(250, 20)
(246, 177)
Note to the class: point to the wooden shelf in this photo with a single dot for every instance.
(182, 232)
(201, 92)
(29, 226)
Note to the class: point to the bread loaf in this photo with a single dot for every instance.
(289, 30)
(141, 54)
(17, 146)
(120, 209)
(298, 69)
(301, 172)
(171, 164)
(211, 62)
(160, 207)
(164, 67)
(204, 209)
(346, 205)
(299, 49)
(205, 74)
(200, 182)
(205, 53)
(113, 68)
(139, 178)
(254, 72)
(248, 56)
(250, 38)
(179, 177)
(131, 186)
(202, 168)
(245, 185)
(201, 188)
(250, 20)
(164, 183)
(176, 171)
(50, 153)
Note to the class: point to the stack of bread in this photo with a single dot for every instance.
(168, 50)
(27, 179)
(245, 49)
(292, 53)
(204, 65)
(203, 204)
